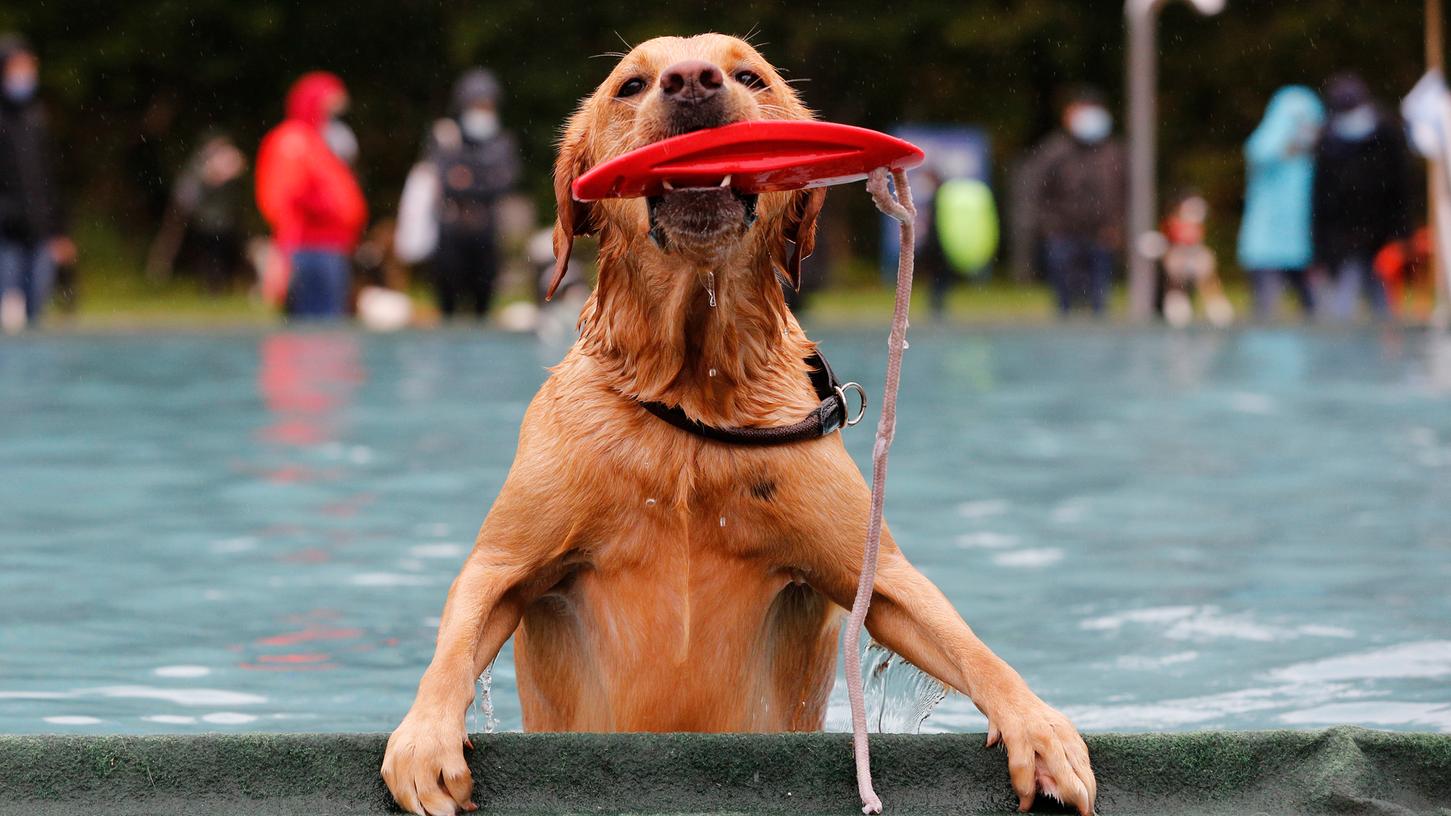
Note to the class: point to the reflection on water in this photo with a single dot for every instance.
(1158, 530)
(306, 379)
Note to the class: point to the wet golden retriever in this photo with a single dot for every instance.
(657, 581)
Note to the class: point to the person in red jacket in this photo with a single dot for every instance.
(309, 196)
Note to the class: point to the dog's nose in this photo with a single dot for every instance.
(691, 81)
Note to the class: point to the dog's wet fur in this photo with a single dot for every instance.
(656, 581)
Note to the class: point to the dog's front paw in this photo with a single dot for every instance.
(1045, 752)
(424, 767)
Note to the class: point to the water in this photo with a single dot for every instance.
(245, 532)
(899, 697)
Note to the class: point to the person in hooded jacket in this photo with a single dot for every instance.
(1361, 197)
(476, 163)
(1274, 234)
(307, 192)
(32, 221)
(1075, 188)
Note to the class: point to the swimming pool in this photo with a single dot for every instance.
(254, 532)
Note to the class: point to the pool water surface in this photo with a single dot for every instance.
(1160, 531)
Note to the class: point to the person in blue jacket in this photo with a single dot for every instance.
(1275, 243)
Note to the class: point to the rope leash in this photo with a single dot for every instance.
(902, 209)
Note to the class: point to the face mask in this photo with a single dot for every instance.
(479, 125)
(20, 88)
(1090, 124)
(1355, 125)
(340, 140)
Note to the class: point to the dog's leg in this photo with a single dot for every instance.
(424, 765)
(912, 617)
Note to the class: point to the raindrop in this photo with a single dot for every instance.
(649, 502)
(712, 372)
(722, 521)
(710, 288)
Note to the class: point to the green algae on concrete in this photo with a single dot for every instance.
(1342, 770)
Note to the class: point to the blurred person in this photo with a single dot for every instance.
(1360, 200)
(382, 302)
(932, 262)
(474, 162)
(33, 239)
(1075, 196)
(205, 214)
(307, 192)
(1190, 267)
(1406, 270)
(1274, 236)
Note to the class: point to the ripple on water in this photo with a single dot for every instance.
(1378, 712)
(75, 719)
(986, 540)
(1203, 623)
(1423, 659)
(983, 508)
(181, 671)
(170, 719)
(228, 718)
(1032, 558)
(437, 550)
(390, 579)
(176, 696)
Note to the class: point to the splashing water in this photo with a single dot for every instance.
(483, 711)
(899, 696)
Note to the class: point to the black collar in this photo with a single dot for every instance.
(827, 418)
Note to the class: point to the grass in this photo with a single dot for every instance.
(113, 294)
(127, 301)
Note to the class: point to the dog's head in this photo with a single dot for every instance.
(662, 88)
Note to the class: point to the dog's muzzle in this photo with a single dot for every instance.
(700, 215)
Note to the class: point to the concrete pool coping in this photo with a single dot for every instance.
(1340, 770)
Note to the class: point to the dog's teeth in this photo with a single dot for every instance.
(725, 182)
(668, 185)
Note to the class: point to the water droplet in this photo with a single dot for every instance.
(905, 344)
(649, 502)
(710, 288)
(484, 703)
(712, 372)
(722, 521)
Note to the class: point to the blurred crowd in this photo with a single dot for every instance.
(1327, 215)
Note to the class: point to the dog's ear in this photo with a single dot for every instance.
(799, 229)
(571, 217)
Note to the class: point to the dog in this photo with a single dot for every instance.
(655, 580)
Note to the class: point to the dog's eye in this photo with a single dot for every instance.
(630, 88)
(750, 79)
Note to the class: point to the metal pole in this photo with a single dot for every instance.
(1435, 61)
(1142, 113)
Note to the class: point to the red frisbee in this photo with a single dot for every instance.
(751, 157)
